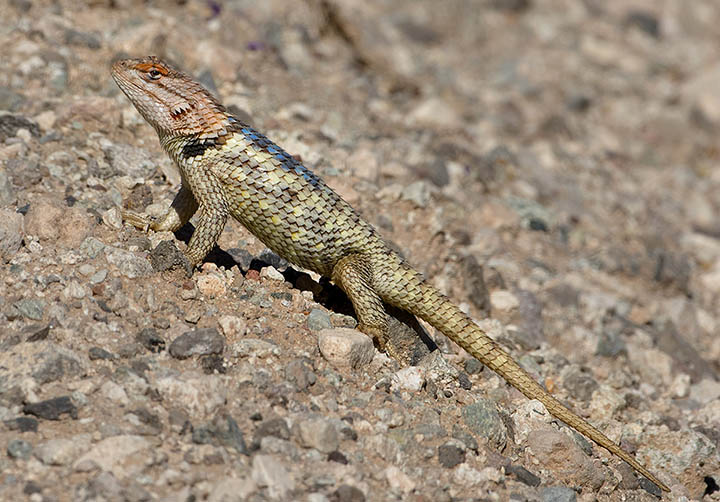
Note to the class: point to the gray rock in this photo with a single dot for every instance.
(271, 273)
(31, 308)
(475, 284)
(11, 231)
(197, 393)
(105, 486)
(268, 471)
(166, 256)
(19, 448)
(274, 427)
(349, 493)
(253, 347)
(10, 124)
(529, 320)
(52, 409)
(451, 454)
(273, 260)
(564, 458)
(318, 319)
(533, 215)
(644, 21)
(98, 276)
(467, 439)
(438, 371)
(472, 366)
(134, 492)
(522, 474)
(674, 342)
(128, 350)
(22, 424)
(58, 71)
(121, 455)
(346, 347)
(151, 340)
(92, 247)
(558, 494)
(411, 379)
(317, 497)
(129, 264)
(200, 342)
(242, 257)
(233, 327)
(483, 419)
(10, 100)
(232, 490)
(61, 451)
(511, 5)
(580, 385)
(7, 193)
(82, 39)
(705, 391)
(300, 373)
(55, 365)
(152, 422)
(222, 431)
(418, 193)
(430, 431)
(610, 344)
(317, 432)
(129, 160)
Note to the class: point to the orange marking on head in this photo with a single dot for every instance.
(151, 66)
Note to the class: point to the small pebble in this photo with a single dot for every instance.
(19, 448)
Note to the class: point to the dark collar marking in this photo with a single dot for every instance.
(197, 146)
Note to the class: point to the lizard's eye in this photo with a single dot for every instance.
(154, 74)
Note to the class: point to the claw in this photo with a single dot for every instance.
(139, 221)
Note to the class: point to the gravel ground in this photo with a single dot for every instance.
(552, 164)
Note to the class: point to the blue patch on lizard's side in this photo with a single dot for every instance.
(287, 162)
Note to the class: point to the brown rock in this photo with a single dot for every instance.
(559, 454)
(56, 223)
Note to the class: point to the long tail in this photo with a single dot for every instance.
(423, 300)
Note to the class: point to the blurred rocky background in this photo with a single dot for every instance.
(550, 164)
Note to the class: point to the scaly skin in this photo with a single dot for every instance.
(229, 169)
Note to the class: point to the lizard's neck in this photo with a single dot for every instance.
(183, 144)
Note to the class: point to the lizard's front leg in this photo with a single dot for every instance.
(183, 207)
(210, 193)
(201, 191)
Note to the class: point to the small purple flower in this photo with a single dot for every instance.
(256, 45)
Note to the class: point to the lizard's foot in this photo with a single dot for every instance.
(138, 220)
(397, 340)
(403, 342)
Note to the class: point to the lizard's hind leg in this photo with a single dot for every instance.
(397, 331)
(353, 275)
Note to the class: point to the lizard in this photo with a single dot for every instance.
(229, 169)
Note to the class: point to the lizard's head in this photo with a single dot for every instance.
(172, 102)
